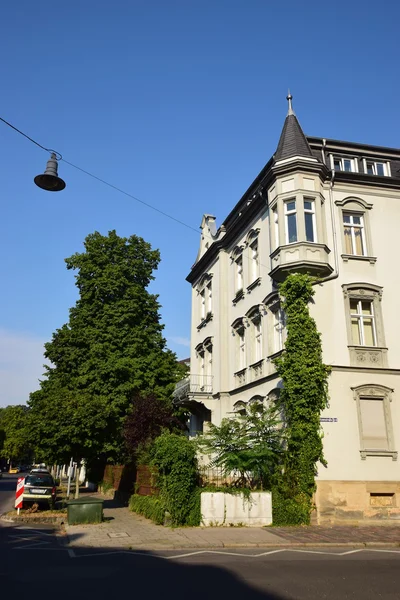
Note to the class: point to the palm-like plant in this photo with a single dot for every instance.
(247, 447)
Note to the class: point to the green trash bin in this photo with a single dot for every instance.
(85, 510)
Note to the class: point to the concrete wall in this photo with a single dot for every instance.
(219, 509)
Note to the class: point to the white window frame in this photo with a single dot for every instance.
(374, 163)
(255, 260)
(257, 340)
(375, 393)
(360, 319)
(310, 211)
(239, 283)
(241, 349)
(202, 295)
(276, 226)
(202, 369)
(208, 289)
(289, 213)
(341, 159)
(279, 329)
(352, 226)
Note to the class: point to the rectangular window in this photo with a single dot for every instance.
(209, 297)
(376, 168)
(207, 365)
(255, 261)
(276, 227)
(202, 367)
(239, 273)
(257, 341)
(291, 222)
(279, 326)
(363, 322)
(203, 304)
(309, 220)
(344, 164)
(374, 434)
(241, 350)
(354, 234)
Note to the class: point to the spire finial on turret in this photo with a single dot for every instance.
(289, 99)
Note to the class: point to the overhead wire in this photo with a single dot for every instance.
(108, 184)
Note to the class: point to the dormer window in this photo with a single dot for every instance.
(342, 163)
(372, 167)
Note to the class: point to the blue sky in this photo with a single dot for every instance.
(178, 102)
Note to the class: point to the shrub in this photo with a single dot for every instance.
(288, 511)
(175, 458)
(150, 507)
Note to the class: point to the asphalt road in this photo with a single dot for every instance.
(8, 483)
(35, 561)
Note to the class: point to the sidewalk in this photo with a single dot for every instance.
(125, 529)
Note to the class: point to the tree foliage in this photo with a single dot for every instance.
(248, 446)
(147, 419)
(111, 350)
(14, 444)
(65, 423)
(174, 456)
(303, 397)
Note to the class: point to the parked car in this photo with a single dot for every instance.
(40, 470)
(39, 487)
(14, 470)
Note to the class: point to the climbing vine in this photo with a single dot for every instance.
(303, 397)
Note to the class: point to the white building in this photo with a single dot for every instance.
(332, 209)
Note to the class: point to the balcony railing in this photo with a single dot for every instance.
(193, 384)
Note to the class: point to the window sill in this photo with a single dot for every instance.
(368, 356)
(254, 284)
(240, 377)
(370, 259)
(256, 369)
(204, 322)
(365, 453)
(238, 297)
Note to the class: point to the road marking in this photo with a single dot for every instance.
(221, 552)
(34, 545)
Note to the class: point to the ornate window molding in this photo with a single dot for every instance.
(240, 407)
(374, 420)
(354, 207)
(204, 292)
(369, 296)
(203, 281)
(251, 236)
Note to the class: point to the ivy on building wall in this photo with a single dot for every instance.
(303, 397)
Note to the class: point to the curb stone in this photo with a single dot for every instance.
(34, 520)
(238, 546)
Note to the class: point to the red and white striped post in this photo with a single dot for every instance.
(19, 493)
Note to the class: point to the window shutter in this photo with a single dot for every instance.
(374, 430)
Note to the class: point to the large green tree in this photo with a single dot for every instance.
(14, 444)
(303, 397)
(112, 347)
